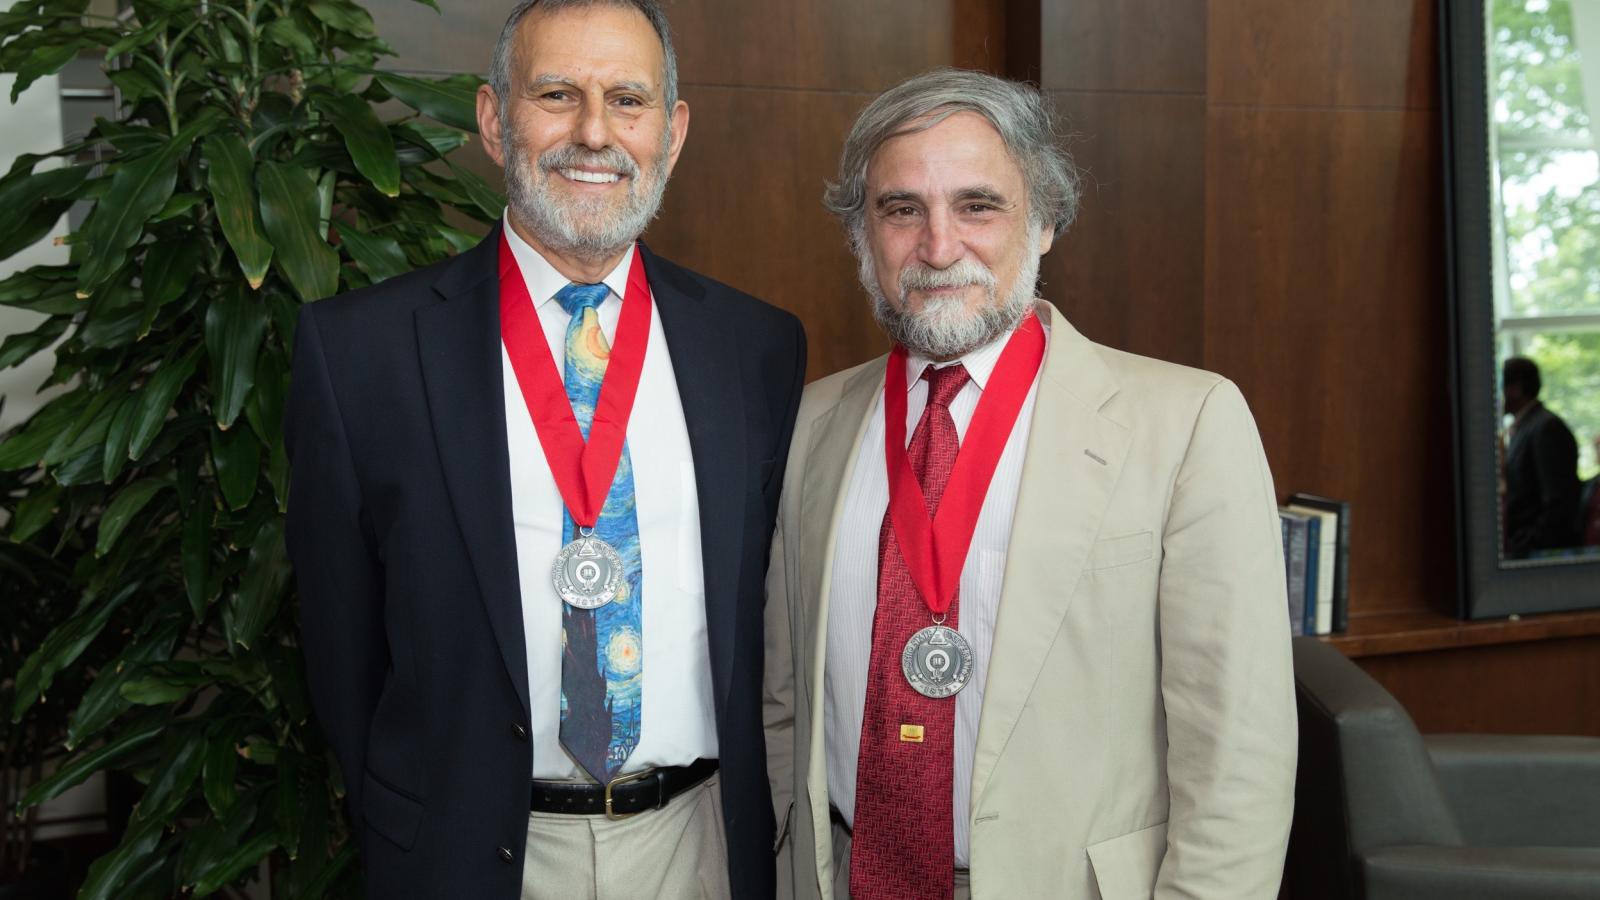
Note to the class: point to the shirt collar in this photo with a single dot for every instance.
(979, 362)
(542, 278)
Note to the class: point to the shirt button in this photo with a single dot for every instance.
(519, 731)
(506, 855)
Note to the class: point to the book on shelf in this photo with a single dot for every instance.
(1296, 548)
(1336, 521)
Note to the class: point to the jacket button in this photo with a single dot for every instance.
(519, 731)
(506, 855)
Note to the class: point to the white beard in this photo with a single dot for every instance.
(944, 328)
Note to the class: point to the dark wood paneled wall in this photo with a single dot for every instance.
(773, 87)
(1262, 200)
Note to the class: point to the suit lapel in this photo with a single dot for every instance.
(459, 345)
(1074, 457)
(835, 446)
(703, 347)
(830, 458)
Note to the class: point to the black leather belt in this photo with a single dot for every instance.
(625, 796)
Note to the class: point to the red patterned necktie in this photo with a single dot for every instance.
(904, 843)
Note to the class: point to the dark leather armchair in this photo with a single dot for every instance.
(1382, 813)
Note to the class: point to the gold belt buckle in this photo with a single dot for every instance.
(624, 779)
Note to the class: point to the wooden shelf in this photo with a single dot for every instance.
(1385, 634)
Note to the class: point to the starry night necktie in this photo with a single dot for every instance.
(602, 659)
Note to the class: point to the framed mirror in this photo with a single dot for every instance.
(1522, 162)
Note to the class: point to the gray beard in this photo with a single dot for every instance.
(585, 229)
(944, 328)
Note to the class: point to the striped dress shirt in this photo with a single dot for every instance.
(854, 586)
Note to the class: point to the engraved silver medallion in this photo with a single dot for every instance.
(937, 661)
(588, 572)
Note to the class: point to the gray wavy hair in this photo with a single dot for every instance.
(1017, 111)
(505, 45)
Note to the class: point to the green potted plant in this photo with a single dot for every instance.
(249, 171)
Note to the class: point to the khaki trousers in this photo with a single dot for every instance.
(841, 868)
(678, 852)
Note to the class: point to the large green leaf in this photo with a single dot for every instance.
(85, 764)
(289, 210)
(114, 454)
(265, 407)
(222, 765)
(486, 198)
(235, 324)
(138, 191)
(156, 398)
(376, 255)
(448, 102)
(235, 863)
(287, 33)
(24, 450)
(369, 143)
(167, 274)
(318, 887)
(237, 456)
(103, 701)
(62, 647)
(124, 507)
(45, 61)
(19, 348)
(195, 550)
(231, 180)
(182, 756)
(34, 513)
(109, 874)
(266, 576)
(343, 16)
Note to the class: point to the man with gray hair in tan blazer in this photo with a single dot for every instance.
(1026, 630)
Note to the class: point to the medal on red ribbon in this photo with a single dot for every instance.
(937, 661)
(588, 572)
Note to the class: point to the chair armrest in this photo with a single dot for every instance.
(1477, 873)
(1519, 790)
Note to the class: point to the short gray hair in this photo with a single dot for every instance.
(1017, 111)
(505, 46)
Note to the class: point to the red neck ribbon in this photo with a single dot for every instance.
(936, 548)
(583, 471)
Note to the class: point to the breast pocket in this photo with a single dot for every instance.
(1121, 550)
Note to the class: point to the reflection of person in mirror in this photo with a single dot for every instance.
(1589, 506)
(1541, 468)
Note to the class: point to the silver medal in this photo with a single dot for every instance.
(588, 572)
(937, 661)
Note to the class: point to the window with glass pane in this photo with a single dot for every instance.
(1544, 77)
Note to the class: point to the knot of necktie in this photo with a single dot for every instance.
(944, 384)
(575, 298)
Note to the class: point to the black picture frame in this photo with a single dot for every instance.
(1489, 587)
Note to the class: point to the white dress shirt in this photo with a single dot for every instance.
(677, 721)
(854, 588)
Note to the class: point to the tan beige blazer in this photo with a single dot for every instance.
(1138, 729)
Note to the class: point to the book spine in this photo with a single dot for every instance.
(1297, 574)
(1297, 610)
(1341, 574)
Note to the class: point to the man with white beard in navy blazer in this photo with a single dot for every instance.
(533, 494)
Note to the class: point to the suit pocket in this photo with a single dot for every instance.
(389, 812)
(1123, 550)
(1125, 867)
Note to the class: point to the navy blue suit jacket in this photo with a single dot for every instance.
(401, 536)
